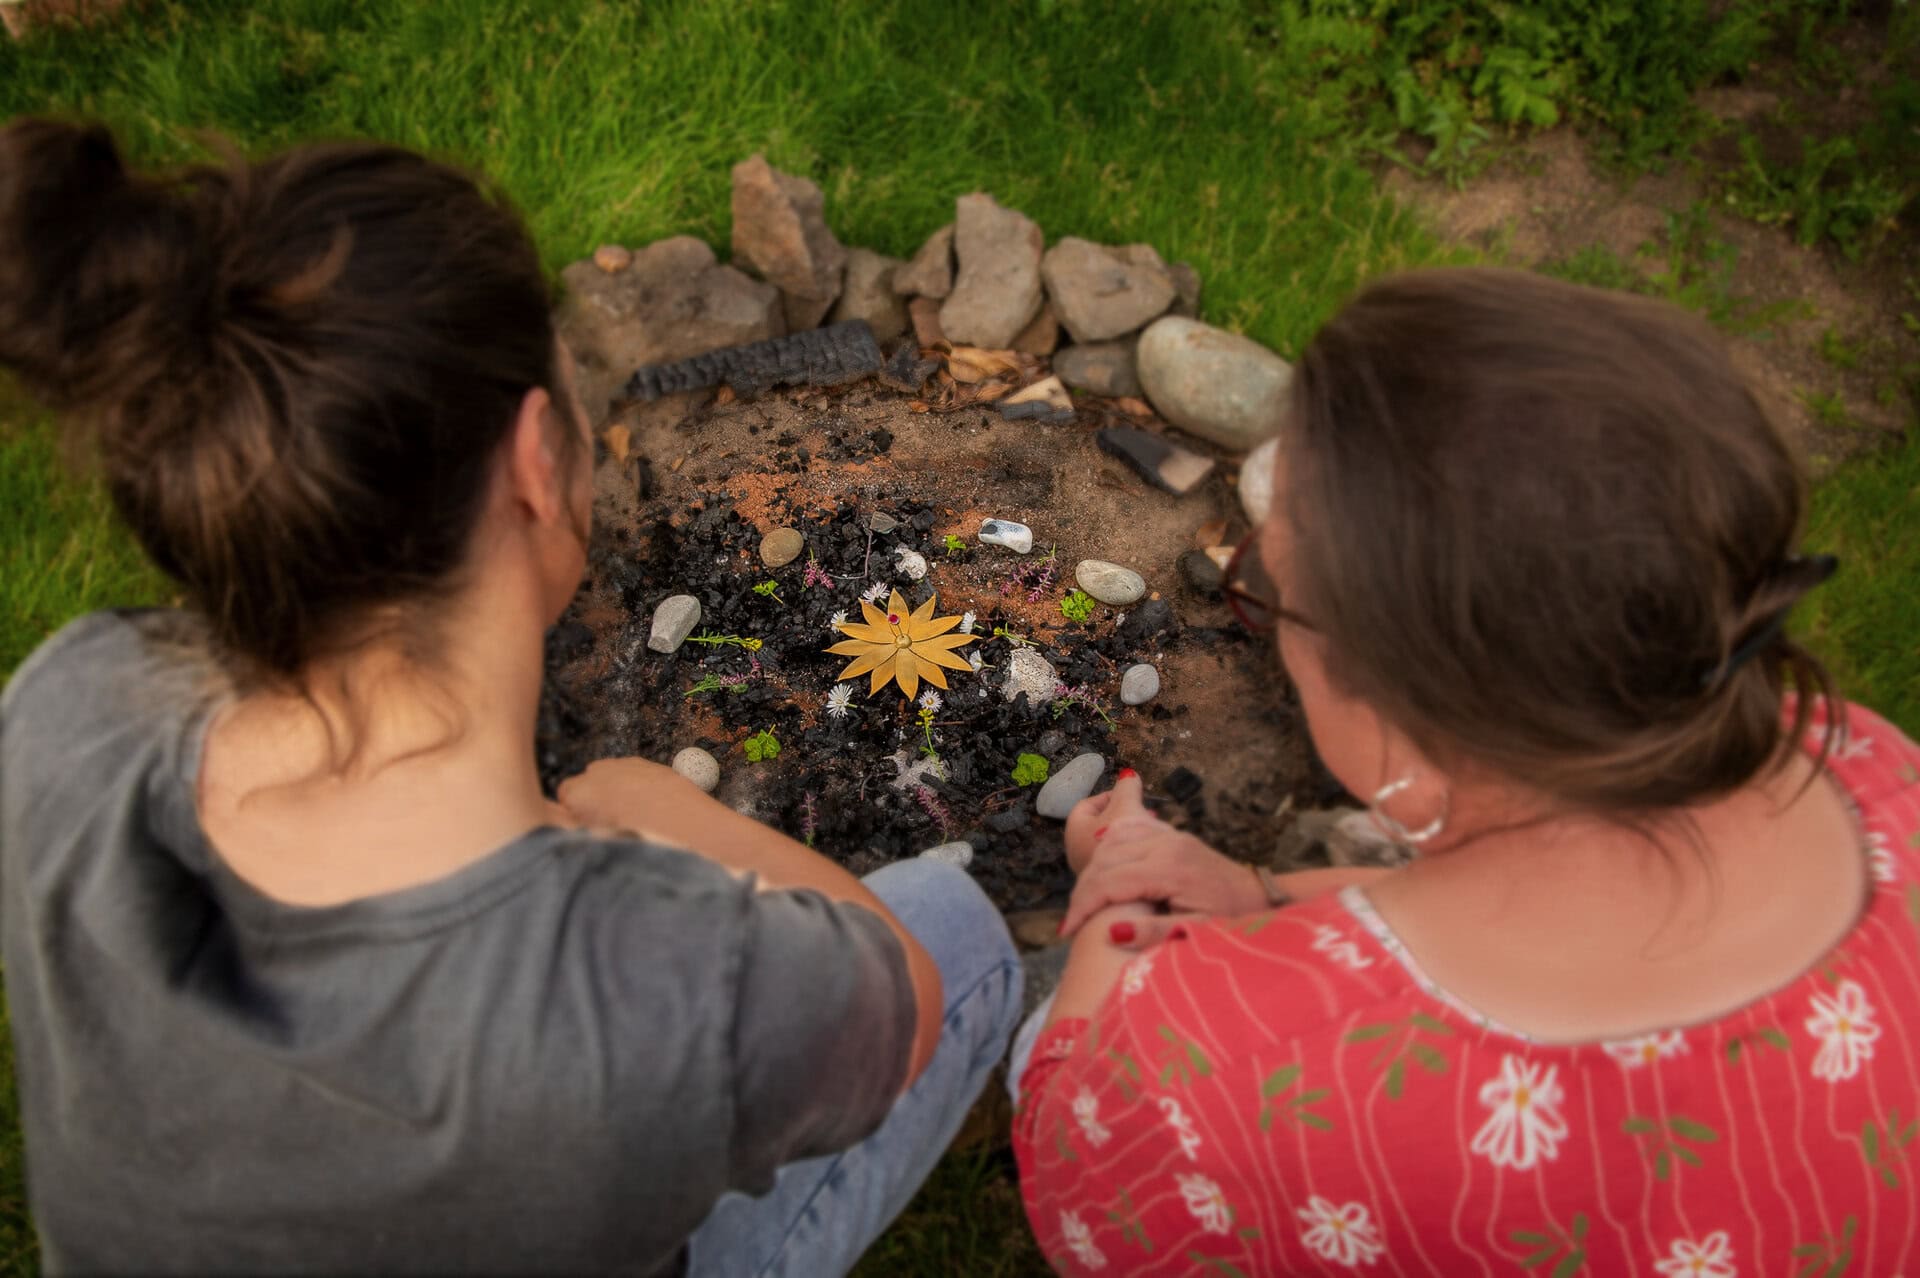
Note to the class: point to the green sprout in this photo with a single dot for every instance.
(956, 545)
(761, 746)
(771, 589)
(926, 728)
(716, 641)
(1077, 606)
(1030, 769)
(716, 683)
(1018, 641)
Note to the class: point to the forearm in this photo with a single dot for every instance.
(1095, 963)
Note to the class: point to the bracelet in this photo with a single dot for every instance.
(1276, 895)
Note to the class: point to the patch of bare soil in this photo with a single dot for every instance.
(1547, 203)
(686, 514)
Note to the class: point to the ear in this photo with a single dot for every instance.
(533, 470)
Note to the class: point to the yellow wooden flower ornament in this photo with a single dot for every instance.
(901, 646)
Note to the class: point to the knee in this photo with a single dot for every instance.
(950, 915)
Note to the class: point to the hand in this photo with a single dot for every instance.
(619, 793)
(1140, 862)
(1101, 814)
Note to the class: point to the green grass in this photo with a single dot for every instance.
(1194, 125)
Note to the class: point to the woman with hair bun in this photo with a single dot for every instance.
(1647, 998)
(305, 972)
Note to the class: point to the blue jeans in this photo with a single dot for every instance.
(821, 1214)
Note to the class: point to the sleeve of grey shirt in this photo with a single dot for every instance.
(823, 1031)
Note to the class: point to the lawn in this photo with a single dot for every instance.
(1193, 125)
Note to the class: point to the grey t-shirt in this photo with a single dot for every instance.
(553, 1060)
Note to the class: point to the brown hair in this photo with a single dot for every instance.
(1535, 521)
(296, 372)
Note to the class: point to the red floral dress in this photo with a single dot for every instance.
(1286, 1093)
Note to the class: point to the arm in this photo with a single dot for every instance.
(659, 804)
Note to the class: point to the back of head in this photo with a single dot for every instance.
(1543, 527)
(295, 371)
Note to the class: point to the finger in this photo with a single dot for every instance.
(1098, 889)
(1126, 798)
(1149, 930)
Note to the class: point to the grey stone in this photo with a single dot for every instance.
(1215, 384)
(881, 522)
(1042, 335)
(930, 273)
(1201, 573)
(1186, 284)
(1100, 294)
(1256, 481)
(803, 313)
(1109, 583)
(1105, 368)
(1005, 532)
(673, 621)
(959, 853)
(997, 292)
(1147, 621)
(867, 294)
(672, 302)
(699, 767)
(1162, 463)
(781, 547)
(1069, 785)
(1139, 685)
(1031, 673)
(780, 230)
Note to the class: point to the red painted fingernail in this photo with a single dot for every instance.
(1120, 933)
(1101, 833)
(1179, 932)
(1127, 772)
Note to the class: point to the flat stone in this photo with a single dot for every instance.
(1256, 481)
(1068, 785)
(673, 621)
(673, 302)
(911, 563)
(612, 258)
(1147, 621)
(1048, 390)
(1105, 368)
(1212, 383)
(959, 853)
(1036, 929)
(1042, 336)
(699, 767)
(780, 230)
(867, 294)
(781, 547)
(1158, 461)
(930, 273)
(1005, 532)
(1110, 583)
(1031, 673)
(1201, 573)
(881, 522)
(924, 314)
(997, 292)
(1034, 410)
(1100, 294)
(1139, 685)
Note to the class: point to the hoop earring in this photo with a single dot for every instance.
(1394, 828)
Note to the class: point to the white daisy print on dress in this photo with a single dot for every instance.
(1080, 1241)
(1843, 1022)
(1333, 943)
(1525, 1126)
(1345, 1235)
(1086, 1112)
(1182, 1127)
(1205, 1202)
(1646, 1049)
(1133, 977)
(1711, 1257)
(1880, 859)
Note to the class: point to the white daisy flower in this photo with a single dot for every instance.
(1345, 1235)
(876, 592)
(1133, 977)
(1182, 1127)
(1880, 859)
(1525, 1126)
(840, 700)
(1711, 1257)
(1844, 1025)
(975, 660)
(1080, 1241)
(1086, 1112)
(929, 700)
(837, 620)
(966, 623)
(1646, 1049)
(1205, 1203)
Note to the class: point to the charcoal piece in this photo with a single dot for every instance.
(1181, 784)
(1017, 817)
(1035, 410)
(1147, 621)
(1163, 464)
(906, 371)
(830, 356)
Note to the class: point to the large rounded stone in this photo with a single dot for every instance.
(1109, 583)
(1069, 785)
(1139, 685)
(1105, 368)
(1099, 293)
(781, 547)
(699, 767)
(959, 853)
(1212, 383)
(1256, 481)
(673, 621)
